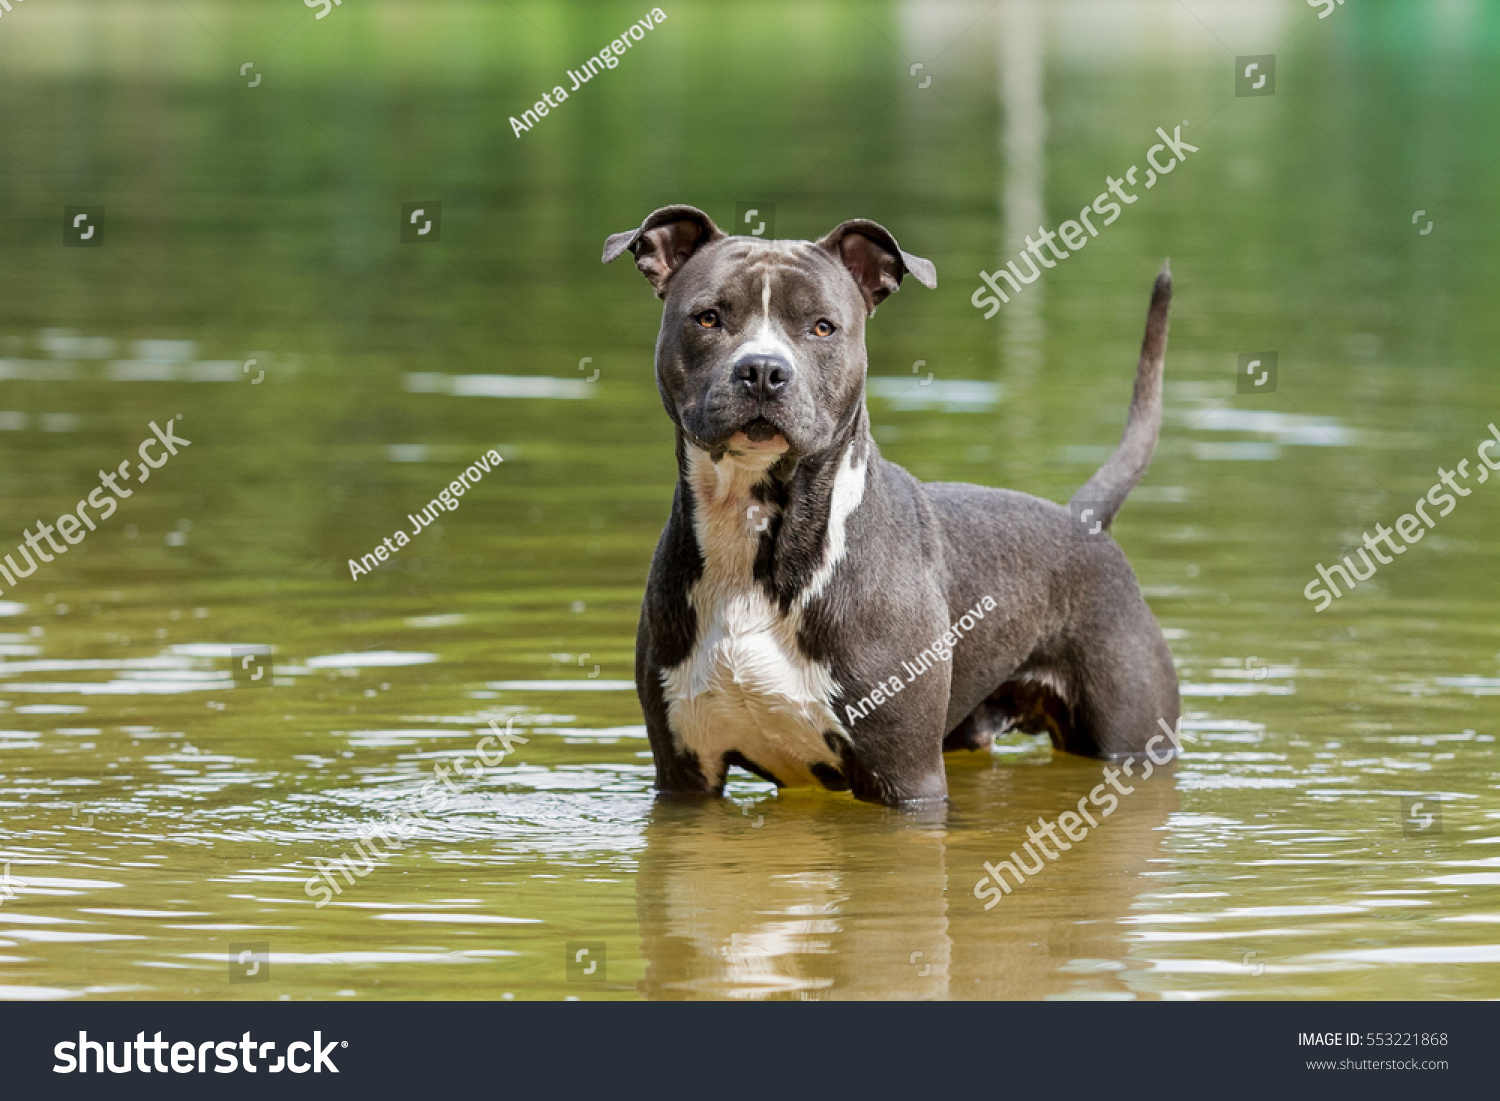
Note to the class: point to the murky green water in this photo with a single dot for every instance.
(160, 819)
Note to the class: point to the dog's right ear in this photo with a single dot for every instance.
(664, 242)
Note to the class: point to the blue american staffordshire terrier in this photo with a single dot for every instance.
(815, 614)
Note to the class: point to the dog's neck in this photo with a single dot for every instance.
(776, 520)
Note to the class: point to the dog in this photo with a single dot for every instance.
(815, 614)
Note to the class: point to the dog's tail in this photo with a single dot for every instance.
(1106, 491)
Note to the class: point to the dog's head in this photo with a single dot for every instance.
(762, 345)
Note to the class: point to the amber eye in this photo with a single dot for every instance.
(823, 328)
(708, 319)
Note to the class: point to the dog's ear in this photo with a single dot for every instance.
(877, 263)
(664, 242)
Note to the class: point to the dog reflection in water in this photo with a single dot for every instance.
(820, 902)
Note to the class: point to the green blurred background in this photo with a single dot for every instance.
(162, 815)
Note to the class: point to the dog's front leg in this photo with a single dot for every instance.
(678, 774)
(905, 777)
(894, 751)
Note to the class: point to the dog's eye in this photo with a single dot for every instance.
(708, 319)
(824, 328)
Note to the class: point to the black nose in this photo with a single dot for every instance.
(764, 376)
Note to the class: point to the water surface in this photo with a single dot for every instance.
(160, 819)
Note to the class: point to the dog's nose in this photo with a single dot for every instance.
(764, 376)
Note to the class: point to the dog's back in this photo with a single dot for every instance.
(1078, 654)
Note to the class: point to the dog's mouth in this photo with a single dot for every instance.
(760, 430)
(759, 435)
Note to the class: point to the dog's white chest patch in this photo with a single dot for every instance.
(747, 687)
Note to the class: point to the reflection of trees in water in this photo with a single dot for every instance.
(830, 899)
(1023, 145)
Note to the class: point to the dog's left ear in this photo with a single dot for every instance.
(875, 260)
(665, 241)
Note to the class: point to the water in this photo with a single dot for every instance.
(162, 823)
